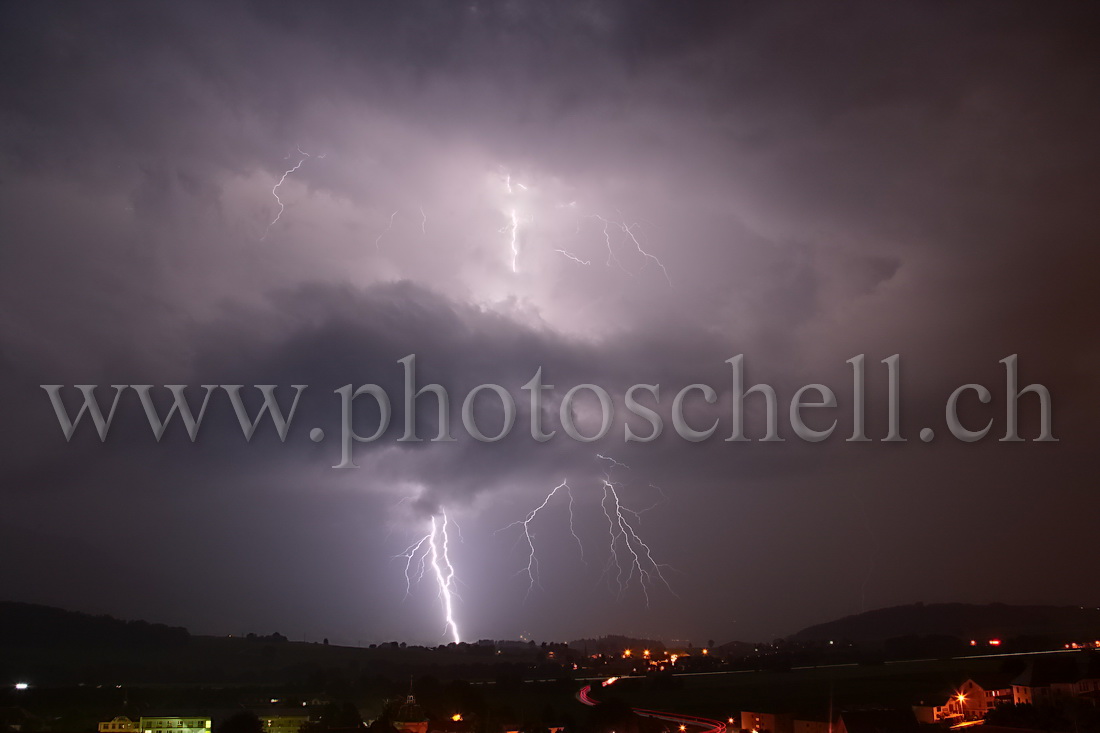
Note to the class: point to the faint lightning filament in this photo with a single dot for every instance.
(532, 568)
(275, 193)
(514, 231)
(389, 226)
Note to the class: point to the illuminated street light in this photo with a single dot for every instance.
(21, 685)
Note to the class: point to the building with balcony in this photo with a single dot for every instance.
(174, 724)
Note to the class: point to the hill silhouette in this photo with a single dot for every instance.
(961, 620)
(28, 625)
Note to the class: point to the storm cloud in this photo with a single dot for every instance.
(617, 193)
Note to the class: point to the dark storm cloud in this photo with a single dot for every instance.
(819, 181)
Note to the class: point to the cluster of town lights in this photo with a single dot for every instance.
(668, 659)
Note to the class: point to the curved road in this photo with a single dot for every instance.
(692, 722)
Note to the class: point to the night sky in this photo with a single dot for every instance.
(805, 183)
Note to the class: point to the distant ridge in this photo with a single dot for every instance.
(28, 625)
(962, 620)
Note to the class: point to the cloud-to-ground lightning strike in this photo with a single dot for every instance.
(445, 579)
(433, 548)
(275, 193)
(532, 559)
(389, 226)
(623, 537)
(622, 532)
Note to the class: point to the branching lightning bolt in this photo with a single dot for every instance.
(607, 241)
(413, 553)
(628, 230)
(532, 559)
(275, 193)
(629, 555)
(445, 578)
(434, 549)
(622, 532)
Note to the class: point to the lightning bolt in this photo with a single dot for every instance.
(423, 221)
(629, 233)
(512, 230)
(663, 500)
(628, 230)
(621, 533)
(573, 257)
(614, 463)
(607, 240)
(389, 226)
(434, 549)
(630, 557)
(444, 578)
(532, 559)
(411, 554)
(275, 193)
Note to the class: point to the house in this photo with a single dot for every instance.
(120, 724)
(969, 701)
(1044, 680)
(976, 697)
(767, 722)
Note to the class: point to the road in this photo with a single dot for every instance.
(685, 722)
